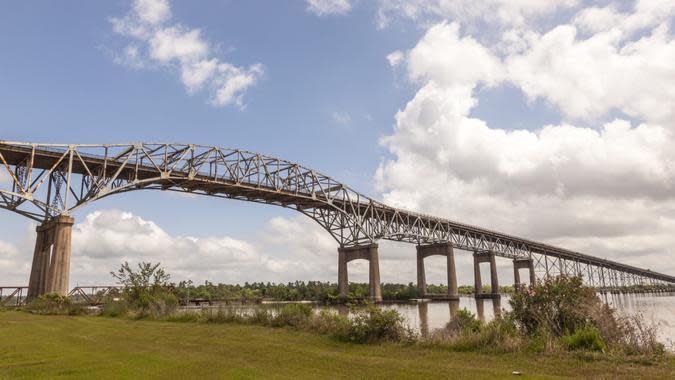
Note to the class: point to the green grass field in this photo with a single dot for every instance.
(33, 347)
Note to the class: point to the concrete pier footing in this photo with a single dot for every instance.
(442, 249)
(367, 252)
(483, 257)
(50, 272)
(519, 264)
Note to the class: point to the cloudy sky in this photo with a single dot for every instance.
(553, 120)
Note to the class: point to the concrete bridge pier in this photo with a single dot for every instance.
(442, 249)
(365, 252)
(50, 271)
(485, 257)
(519, 264)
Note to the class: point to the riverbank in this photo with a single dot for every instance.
(34, 346)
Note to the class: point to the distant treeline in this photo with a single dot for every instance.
(308, 291)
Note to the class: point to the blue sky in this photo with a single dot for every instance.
(327, 96)
(60, 84)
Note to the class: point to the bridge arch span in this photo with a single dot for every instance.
(47, 182)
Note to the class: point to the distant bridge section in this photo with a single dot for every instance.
(48, 182)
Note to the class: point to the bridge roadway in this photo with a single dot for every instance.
(48, 182)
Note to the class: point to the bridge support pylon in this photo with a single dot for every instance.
(366, 252)
(442, 249)
(50, 272)
(519, 264)
(485, 257)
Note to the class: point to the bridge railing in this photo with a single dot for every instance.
(13, 296)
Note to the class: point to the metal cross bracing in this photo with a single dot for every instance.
(12, 295)
(41, 181)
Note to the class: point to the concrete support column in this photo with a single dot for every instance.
(343, 279)
(482, 257)
(38, 271)
(421, 275)
(453, 292)
(59, 267)
(374, 275)
(50, 272)
(494, 280)
(478, 284)
(441, 249)
(519, 264)
(368, 252)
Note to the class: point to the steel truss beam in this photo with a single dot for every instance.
(46, 180)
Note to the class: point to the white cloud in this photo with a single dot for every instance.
(341, 118)
(156, 42)
(106, 238)
(606, 190)
(395, 58)
(588, 78)
(329, 7)
(503, 12)
(153, 11)
(443, 57)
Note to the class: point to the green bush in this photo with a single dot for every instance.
(260, 317)
(222, 315)
(162, 304)
(464, 321)
(54, 304)
(586, 338)
(327, 322)
(375, 325)
(293, 314)
(187, 316)
(115, 309)
(561, 305)
(465, 333)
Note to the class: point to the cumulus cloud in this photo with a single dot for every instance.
(329, 7)
(588, 77)
(504, 12)
(158, 42)
(606, 190)
(106, 238)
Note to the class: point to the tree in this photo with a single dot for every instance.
(142, 287)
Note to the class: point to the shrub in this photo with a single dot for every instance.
(375, 325)
(115, 309)
(294, 315)
(260, 317)
(586, 338)
(187, 316)
(466, 333)
(639, 336)
(464, 321)
(561, 305)
(327, 322)
(222, 315)
(54, 304)
(162, 304)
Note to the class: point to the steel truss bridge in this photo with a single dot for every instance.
(47, 181)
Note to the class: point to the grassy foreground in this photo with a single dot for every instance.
(34, 346)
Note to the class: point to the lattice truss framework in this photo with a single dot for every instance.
(41, 181)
